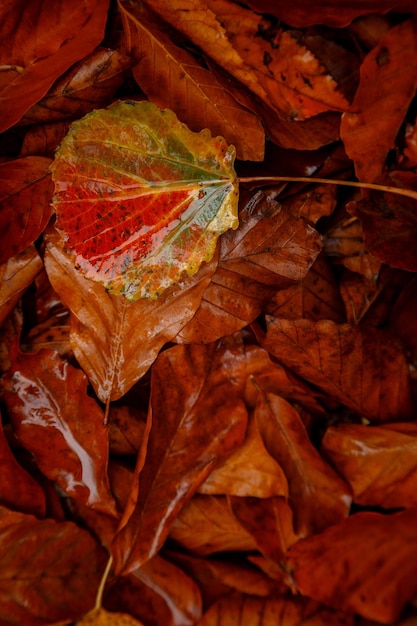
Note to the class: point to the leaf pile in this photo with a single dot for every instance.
(243, 443)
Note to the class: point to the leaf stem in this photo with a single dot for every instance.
(100, 591)
(345, 183)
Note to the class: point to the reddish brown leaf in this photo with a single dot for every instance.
(195, 392)
(242, 610)
(387, 85)
(18, 490)
(270, 250)
(43, 139)
(26, 190)
(39, 41)
(63, 427)
(89, 84)
(101, 617)
(172, 78)
(379, 462)
(207, 525)
(365, 369)
(317, 495)
(367, 565)
(404, 315)
(116, 341)
(16, 275)
(66, 565)
(248, 471)
(269, 521)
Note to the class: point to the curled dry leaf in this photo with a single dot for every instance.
(66, 565)
(61, 425)
(317, 495)
(140, 199)
(378, 586)
(365, 369)
(39, 41)
(195, 391)
(172, 78)
(16, 275)
(26, 190)
(387, 85)
(379, 462)
(270, 250)
(116, 341)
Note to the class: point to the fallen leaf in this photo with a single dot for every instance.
(365, 369)
(66, 565)
(378, 586)
(195, 391)
(16, 274)
(114, 340)
(101, 617)
(206, 525)
(270, 250)
(240, 610)
(317, 495)
(43, 139)
(379, 462)
(403, 316)
(40, 41)
(18, 489)
(387, 85)
(172, 78)
(61, 425)
(24, 203)
(140, 199)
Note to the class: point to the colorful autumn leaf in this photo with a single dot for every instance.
(16, 275)
(140, 199)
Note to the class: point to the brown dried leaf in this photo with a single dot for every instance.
(377, 586)
(172, 78)
(101, 617)
(195, 392)
(116, 341)
(270, 250)
(16, 275)
(317, 495)
(379, 462)
(365, 369)
(387, 85)
(206, 525)
(26, 191)
(39, 41)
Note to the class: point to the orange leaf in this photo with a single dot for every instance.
(365, 369)
(24, 202)
(16, 275)
(39, 41)
(367, 565)
(317, 495)
(101, 617)
(387, 85)
(379, 462)
(172, 78)
(195, 392)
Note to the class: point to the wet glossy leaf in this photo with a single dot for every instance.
(270, 250)
(379, 462)
(387, 85)
(38, 44)
(63, 427)
(66, 565)
(25, 195)
(114, 340)
(172, 78)
(378, 586)
(195, 392)
(140, 199)
(318, 497)
(365, 369)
